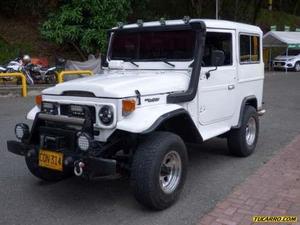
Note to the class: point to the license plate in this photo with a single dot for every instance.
(51, 160)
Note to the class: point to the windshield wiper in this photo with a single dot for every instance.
(167, 62)
(132, 62)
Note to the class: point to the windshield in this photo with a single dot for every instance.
(171, 45)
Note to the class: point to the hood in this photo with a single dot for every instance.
(285, 58)
(119, 84)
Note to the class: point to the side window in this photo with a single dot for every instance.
(249, 49)
(217, 41)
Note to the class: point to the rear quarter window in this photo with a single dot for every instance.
(249, 49)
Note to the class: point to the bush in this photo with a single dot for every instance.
(10, 52)
(84, 23)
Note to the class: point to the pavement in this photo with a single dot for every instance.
(273, 190)
(213, 174)
(11, 90)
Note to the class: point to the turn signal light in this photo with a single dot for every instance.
(38, 100)
(128, 106)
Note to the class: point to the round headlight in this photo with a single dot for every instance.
(83, 141)
(22, 131)
(106, 115)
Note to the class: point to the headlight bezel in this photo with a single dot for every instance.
(106, 115)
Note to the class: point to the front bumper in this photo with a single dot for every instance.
(63, 140)
(94, 166)
(283, 65)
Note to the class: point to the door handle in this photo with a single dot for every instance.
(231, 87)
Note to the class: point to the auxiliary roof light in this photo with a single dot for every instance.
(140, 22)
(186, 19)
(162, 21)
(120, 25)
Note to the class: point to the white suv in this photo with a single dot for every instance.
(288, 62)
(168, 83)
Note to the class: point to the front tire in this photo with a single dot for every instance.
(242, 141)
(297, 67)
(159, 169)
(43, 173)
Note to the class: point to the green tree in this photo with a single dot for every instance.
(84, 23)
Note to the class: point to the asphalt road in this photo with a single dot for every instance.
(212, 172)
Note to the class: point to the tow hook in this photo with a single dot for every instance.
(78, 168)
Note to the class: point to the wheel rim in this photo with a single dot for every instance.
(170, 172)
(297, 66)
(251, 131)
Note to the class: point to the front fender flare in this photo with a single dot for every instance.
(147, 119)
(32, 113)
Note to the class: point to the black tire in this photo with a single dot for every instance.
(44, 173)
(146, 169)
(297, 67)
(237, 138)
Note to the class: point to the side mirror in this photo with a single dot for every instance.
(217, 58)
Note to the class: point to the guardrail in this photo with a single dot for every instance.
(23, 78)
(60, 75)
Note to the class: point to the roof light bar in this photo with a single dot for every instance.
(186, 19)
(162, 21)
(140, 22)
(120, 24)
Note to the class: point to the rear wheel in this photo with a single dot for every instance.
(43, 173)
(159, 170)
(242, 141)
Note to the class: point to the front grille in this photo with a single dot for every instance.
(66, 111)
(279, 63)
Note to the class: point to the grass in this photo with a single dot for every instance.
(9, 52)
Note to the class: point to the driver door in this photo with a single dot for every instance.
(217, 92)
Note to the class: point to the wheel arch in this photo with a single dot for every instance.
(249, 100)
(178, 122)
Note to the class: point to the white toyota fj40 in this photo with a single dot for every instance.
(168, 83)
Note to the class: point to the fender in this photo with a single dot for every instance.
(32, 113)
(144, 119)
(249, 100)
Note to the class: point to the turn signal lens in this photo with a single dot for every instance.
(128, 106)
(38, 100)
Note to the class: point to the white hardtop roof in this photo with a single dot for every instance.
(210, 23)
(281, 38)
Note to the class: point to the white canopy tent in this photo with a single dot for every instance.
(281, 39)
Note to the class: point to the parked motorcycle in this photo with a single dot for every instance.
(19, 65)
(34, 73)
(42, 74)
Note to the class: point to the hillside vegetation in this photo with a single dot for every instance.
(75, 28)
